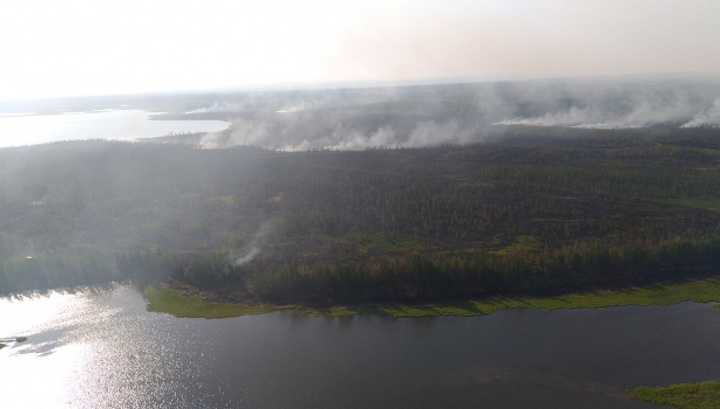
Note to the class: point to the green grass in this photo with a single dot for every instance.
(173, 302)
(698, 203)
(703, 291)
(703, 395)
(372, 242)
(658, 294)
(522, 243)
(387, 242)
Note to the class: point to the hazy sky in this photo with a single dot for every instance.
(80, 47)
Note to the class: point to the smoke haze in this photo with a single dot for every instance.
(431, 115)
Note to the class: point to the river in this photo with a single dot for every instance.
(98, 347)
(125, 124)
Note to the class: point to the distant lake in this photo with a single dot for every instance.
(126, 124)
(99, 348)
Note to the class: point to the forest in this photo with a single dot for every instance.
(527, 211)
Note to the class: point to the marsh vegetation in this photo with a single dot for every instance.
(703, 395)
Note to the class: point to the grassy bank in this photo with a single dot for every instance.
(703, 395)
(173, 302)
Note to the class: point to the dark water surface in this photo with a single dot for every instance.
(99, 348)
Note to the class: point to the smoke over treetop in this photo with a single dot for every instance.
(429, 115)
(710, 117)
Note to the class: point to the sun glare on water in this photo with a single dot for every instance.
(47, 384)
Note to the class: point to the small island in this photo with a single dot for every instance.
(6, 341)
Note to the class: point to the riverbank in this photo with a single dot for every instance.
(703, 395)
(172, 301)
(183, 305)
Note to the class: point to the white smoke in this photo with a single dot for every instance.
(643, 113)
(573, 117)
(257, 242)
(247, 257)
(315, 132)
(223, 106)
(303, 146)
(458, 114)
(432, 134)
(353, 140)
(711, 117)
(298, 106)
(424, 134)
(241, 132)
(212, 140)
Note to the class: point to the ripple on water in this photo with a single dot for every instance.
(100, 348)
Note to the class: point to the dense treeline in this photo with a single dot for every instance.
(55, 272)
(541, 211)
(418, 278)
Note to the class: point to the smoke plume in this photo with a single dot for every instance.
(431, 115)
(256, 243)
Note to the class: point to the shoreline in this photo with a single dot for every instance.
(172, 301)
(701, 395)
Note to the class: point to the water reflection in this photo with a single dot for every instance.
(99, 348)
(127, 124)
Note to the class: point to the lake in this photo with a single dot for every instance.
(126, 124)
(98, 347)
